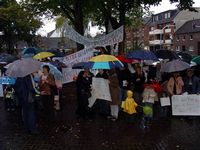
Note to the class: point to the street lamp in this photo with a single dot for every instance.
(170, 25)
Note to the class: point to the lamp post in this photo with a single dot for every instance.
(171, 25)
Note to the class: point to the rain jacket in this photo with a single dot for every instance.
(129, 105)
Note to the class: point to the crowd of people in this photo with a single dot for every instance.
(144, 85)
(135, 93)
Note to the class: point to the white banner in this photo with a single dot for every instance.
(100, 90)
(112, 38)
(69, 60)
(186, 105)
(165, 101)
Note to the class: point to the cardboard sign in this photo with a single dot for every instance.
(186, 105)
(100, 90)
(165, 101)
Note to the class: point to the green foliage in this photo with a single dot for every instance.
(17, 24)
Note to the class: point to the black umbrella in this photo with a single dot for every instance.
(80, 65)
(56, 53)
(185, 56)
(7, 58)
(166, 54)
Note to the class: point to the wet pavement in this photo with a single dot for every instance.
(69, 133)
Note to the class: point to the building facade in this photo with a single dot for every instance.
(187, 38)
(163, 26)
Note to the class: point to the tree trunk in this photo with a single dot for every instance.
(122, 18)
(79, 21)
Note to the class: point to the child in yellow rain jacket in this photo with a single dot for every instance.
(129, 106)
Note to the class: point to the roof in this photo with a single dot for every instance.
(173, 14)
(188, 27)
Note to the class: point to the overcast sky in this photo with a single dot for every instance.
(164, 5)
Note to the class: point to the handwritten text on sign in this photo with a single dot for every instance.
(186, 105)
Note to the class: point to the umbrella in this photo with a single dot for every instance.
(30, 50)
(104, 65)
(23, 67)
(7, 80)
(185, 57)
(56, 53)
(175, 66)
(7, 58)
(126, 60)
(58, 64)
(104, 62)
(53, 70)
(80, 65)
(166, 54)
(43, 55)
(142, 55)
(196, 59)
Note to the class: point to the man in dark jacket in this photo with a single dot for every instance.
(25, 92)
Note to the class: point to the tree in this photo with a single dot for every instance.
(117, 12)
(17, 24)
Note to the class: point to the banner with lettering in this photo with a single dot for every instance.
(112, 38)
(69, 60)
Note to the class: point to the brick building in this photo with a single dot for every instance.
(187, 37)
(162, 26)
(137, 36)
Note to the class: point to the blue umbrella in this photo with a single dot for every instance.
(103, 65)
(142, 55)
(7, 80)
(80, 65)
(57, 74)
(30, 50)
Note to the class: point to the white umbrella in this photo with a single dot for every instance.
(23, 67)
(175, 66)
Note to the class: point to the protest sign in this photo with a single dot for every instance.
(100, 90)
(69, 60)
(112, 38)
(165, 101)
(186, 105)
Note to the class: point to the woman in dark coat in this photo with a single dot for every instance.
(83, 84)
(138, 80)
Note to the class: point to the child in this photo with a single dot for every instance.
(129, 106)
(149, 97)
(9, 98)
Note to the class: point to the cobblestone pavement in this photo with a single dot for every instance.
(68, 133)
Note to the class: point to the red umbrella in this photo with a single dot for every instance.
(127, 60)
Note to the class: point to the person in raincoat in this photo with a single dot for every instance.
(129, 105)
(114, 89)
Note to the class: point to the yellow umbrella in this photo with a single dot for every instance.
(43, 55)
(103, 58)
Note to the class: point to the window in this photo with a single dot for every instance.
(191, 37)
(191, 48)
(178, 48)
(177, 38)
(183, 48)
(183, 38)
(155, 18)
(166, 15)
